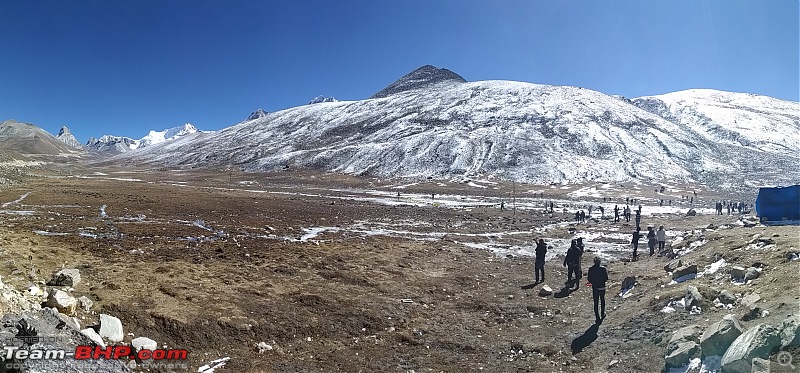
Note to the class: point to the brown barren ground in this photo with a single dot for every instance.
(213, 262)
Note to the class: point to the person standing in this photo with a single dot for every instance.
(597, 276)
(661, 236)
(541, 251)
(638, 219)
(635, 242)
(651, 240)
(573, 263)
(616, 214)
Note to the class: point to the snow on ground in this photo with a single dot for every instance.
(18, 200)
(212, 365)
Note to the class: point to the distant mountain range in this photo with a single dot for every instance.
(119, 144)
(433, 123)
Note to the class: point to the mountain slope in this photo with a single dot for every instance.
(448, 128)
(26, 139)
(731, 118)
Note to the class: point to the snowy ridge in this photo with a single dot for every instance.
(121, 144)
(732, 118)
(511, 130)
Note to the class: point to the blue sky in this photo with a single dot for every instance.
(125, 67)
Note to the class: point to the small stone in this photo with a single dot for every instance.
(751, 299)
(94, 337)
(673, 265)
(684, 352)
(751, 274)
(612, 363)
(65, 277)
(726, 297)
(111, 328)
(143, 343)
(737, 273)
(684, 270)
(545, 291)
(693, 297)
(262, 347)
(62, 301)
(85, 303)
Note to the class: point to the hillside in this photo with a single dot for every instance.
(23, 139)
(430, 123)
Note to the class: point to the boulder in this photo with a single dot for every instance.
(693, 297)
(545, 291)
(691, 212)
(111, 328)
(673, 265)
(750, 299)
(737, 273)
(65, 277)
(684, 352)
(684, 270)
(758, 341)
(62, 301)
(790, 331)
(85, 303)
(94, 337)
(689, 333)
(726, 297)
(751, 274)
(760, 366)
(143, 343)
(718, 336)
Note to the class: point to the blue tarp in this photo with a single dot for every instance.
(779, 205)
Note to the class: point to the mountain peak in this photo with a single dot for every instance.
(260, 113)
(320, 99)
(423, 76)
(65, 136)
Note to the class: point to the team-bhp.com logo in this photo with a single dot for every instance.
(17, 354)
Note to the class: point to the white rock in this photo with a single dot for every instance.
(111, 328)
(143, 343)
(66, 277)
(63, 302)
(545, 291)
(96, 338)
(263, 347)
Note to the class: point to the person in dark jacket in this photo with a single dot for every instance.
(635, 242)
(616, 214)
(573, 263)
(651, 240)
(597, 276)
(541, 251)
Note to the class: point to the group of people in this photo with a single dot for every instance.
(654, 238)
(732, 207)
(597, 275)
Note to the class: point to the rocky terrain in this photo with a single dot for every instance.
(316, 272)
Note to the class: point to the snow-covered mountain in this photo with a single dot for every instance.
(120, 144)
(321, 99)
(65, 136)
(732, 118)
(433, 123)
(259, 113)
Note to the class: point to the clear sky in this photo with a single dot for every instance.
(125, 67)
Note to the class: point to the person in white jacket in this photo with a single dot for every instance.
(661, 236)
